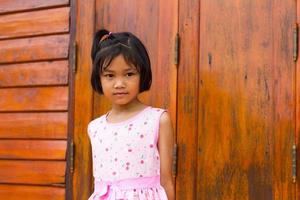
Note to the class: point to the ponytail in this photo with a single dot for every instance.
(97, 41)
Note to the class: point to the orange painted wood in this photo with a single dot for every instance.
(284, 104)
(34, 23)
(82, 177)
(37, 98)
(37, 48)
(32, 172)
(21, 5)
(34, 125)
(246, 100)
(165, 73)
(187, 109)
(37, 73)
(13, 192)
(33, 149)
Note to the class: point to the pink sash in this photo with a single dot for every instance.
(103, 188)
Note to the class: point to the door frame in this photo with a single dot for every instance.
(83, 99)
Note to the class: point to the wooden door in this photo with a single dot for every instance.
(155, 23)
(237, 82)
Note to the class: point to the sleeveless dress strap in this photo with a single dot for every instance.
(158, 113)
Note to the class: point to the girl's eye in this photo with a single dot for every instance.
(130, 74)
(108, 75)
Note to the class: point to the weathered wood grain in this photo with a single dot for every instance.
(33, 74)
(36, 48)
(246, 100)
(33, 149)
(34, 99)
(46, 125)
(187, 108)
(12, 192)
(21, 5)
(297, 130)
(34, 23)
(32, 172)
(82, 177)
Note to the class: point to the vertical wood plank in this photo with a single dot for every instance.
(284, 17)
(73, 50)
(168, 28)
(82, 181)
(187, 112)
(297, 79)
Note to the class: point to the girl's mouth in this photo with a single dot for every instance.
(120, 93)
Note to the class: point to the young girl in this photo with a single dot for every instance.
(132, 143)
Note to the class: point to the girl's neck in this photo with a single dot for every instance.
(134, 105)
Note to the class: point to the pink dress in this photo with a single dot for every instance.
(126, 163)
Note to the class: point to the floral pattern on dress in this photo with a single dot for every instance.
(126, 150)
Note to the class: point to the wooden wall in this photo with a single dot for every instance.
(34, 98)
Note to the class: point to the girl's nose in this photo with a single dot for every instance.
(119, 83)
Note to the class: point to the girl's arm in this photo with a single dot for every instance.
(165, 147)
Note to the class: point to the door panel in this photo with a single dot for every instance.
(187, 106)
(155, 23)
(246, 100)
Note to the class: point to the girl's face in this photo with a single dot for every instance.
(120, 82)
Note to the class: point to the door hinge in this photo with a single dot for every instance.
(74, 58)
(71, 157)
(175, 158)
(176, 49)
(295, 41)
(294, 163)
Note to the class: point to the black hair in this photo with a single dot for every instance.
(106, 46)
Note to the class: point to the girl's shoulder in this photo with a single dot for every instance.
(150, 110)
(157, 109)
(155, 112)
(96, 122)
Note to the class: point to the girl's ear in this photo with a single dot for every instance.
(96, 41)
